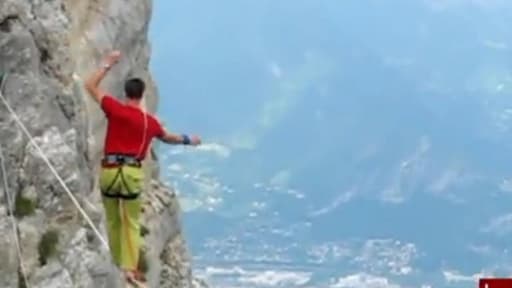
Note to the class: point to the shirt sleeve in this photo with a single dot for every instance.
(158, 130)
(109, 105)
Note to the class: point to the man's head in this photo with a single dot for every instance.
(134, 88)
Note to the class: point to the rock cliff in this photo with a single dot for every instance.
(46, 49)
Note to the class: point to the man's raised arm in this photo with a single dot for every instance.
(92, 83)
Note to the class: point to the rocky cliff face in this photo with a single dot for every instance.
(46, 48)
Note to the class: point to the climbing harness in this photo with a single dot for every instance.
(13, 220)
(120, 161)
(50, 166)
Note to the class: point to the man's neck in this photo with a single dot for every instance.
(133, 103)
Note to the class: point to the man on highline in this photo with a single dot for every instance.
(130, 131)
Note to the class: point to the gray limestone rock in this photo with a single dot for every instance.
(8, 254)
(47, 48)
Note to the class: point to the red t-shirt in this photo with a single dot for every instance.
(125, 128)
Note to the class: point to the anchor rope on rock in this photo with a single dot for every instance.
(50, 165)
(11, 214)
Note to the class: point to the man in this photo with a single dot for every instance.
(129, 134)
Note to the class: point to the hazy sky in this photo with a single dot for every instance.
(277, 78)
(365, 119)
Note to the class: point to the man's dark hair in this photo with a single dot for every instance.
(134, 88)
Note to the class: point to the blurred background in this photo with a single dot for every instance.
(360, 143)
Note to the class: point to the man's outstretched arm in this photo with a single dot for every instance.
(92, 83)
(171, 138)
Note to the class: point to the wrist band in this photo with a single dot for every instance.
(186, 139)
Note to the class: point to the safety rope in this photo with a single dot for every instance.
(13, 220)
(52, 169)
(144, 135)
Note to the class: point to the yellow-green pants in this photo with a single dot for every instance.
(122, 215)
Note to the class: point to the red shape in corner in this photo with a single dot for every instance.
(495, 283)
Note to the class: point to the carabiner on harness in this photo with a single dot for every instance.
(120, 161)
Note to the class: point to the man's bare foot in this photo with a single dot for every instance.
(134, 276)
(130, 276)
(139, 276)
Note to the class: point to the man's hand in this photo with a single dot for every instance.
(92, 83)
(112, 58)
(195, 140)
